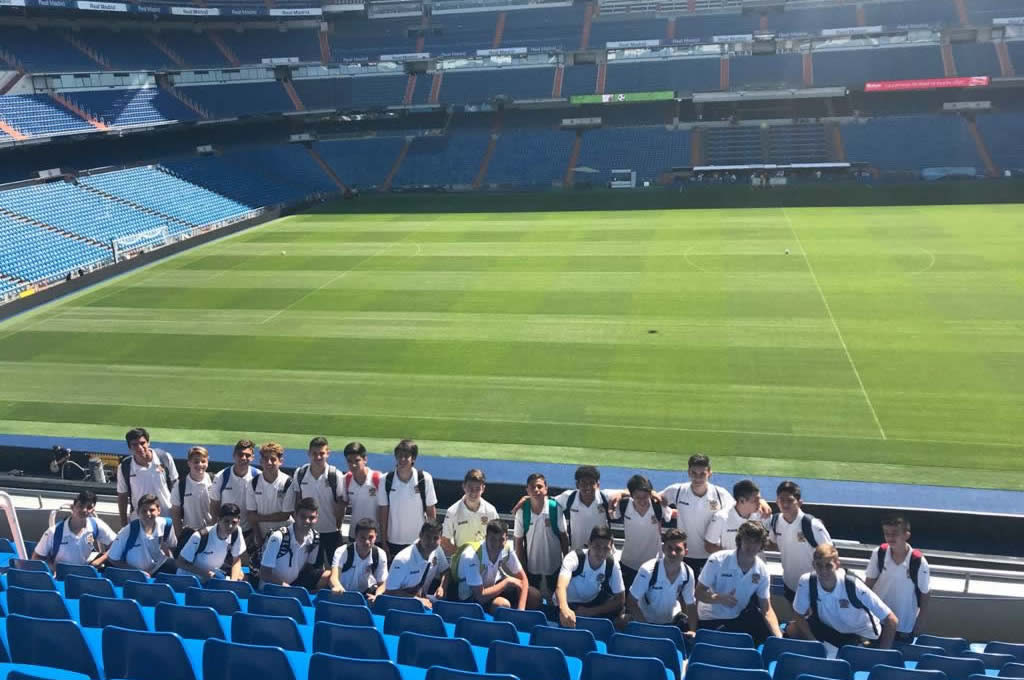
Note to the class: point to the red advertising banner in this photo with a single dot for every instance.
(925, 84)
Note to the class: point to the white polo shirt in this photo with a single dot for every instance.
(196, 508)
(76, 548)
(410, 569)
(587, 585)
(583, 518)
(216, 551)
(660, 601)
(835, 609)
(228, 487)
(150, 478)
(543, 548)
(266, 498)
(642, 534)
(361, 498)
(308, 486)
(288, 565)
(477, 569)
(896, 588)
(361, 576)
(795, 551)
(462, 525)
(145, 553)
(722, 574)
(406, 508)
(722, 528)
(695, 512)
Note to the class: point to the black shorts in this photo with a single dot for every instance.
(329, 542)
(696, 563)
(826, 633)
(750, 621)
(628, 575)
(790, 595)
(394, 549)
(309, 578)
(601, 598)
(536, 580)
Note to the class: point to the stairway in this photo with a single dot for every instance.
(77, 110)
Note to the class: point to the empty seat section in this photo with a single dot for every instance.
(254, 45)
(33, 253)
(378, 91)
(681, 75)
(225, 101)
(37, 114)
(911, 143)
(324, 93)
(709, 25)
(450, 160)
(421, 93)
(982, 12)
(1004, 137)
(197, 49)
(361, 163)
(976, 59)
(1015, 48)
(619, 28)
(127, 49)
(812, 19)
(132, 107)
(358, 38)
(855, 67)
(459, 33)
(647, 150)
(910, 12)
(559, 27)
(580, 79)
(530, 157)
(733, 146)
(43, 50)
(471, 87)
(766, 71)
(797, 144)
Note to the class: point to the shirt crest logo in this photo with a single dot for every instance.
(714, 505)
(800, 537)
(755, 578)
(844, 604)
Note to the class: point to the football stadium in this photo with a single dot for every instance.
(500, 340)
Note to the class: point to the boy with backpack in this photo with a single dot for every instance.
(590, 582)
(190, 502)
(488, 572)
(540, 535)
(146, 471)
(721, 534)
(664, 586)
(643, 518)
(359, 488)
(291, 553)
(147, 542)
(230, 485)
(899, 575)
(270, 498)
(407, 500)
(795, 534)
(320, 480)
(421, 570)
(466, 520)
(695, 503)
(76, 539)
(360, 565)
(215, 551)
(834, 606)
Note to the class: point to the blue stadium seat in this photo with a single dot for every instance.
(348, 597)
(952, 645)
(655, 630)
(527, 661)
(64, 570)
(97, 612)
(276, 606)
(361, 642)
(991, 660)
(915, 652)
(1014, 648)
(442, 673)
(722, 638)
(866, 658)
(453, 611)
(224, 602)
(483, 633)
(774, 646)
(598, 666)
(384, 603)
(790, 666)
(6, 546)
(43, 604)
(424, 651)
(263, 629)
(29, 565)
(234, 661)
(397, 622)
(704, 671)
(602, 628)
(34, 580)
(729, 657)
(524, 620)
(76, 586)
(35, 641)
(138, 654)
(1012, 670)
(179, 583)
(119, 576)
(571, 641)
(149, 594)
(955, 668)
(661, 648)
(329, 667)
(29, 672)
(300, 594)
(195, 623)
(347, 614)
(887, 672)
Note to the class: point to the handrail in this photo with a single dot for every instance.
(7, 505)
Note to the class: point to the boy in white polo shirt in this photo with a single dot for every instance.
(540, 537)
(899, 575)
(359, 488)
(721, 534)
(291, 554)
(270, 498)
(695, 503)
(216, 551)
(231, 483)
(590, 582)
(147, 542)
(77, 538)
(466, 520)
(795, 534)
(360, 565)
(421, 569)
(663, 586)
(407, 499)
(320, 480)
(190, 499)
(836, 607)
(733, 588)
(146, 471)
(643, 518)
(490, 573)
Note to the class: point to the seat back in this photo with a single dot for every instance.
(44, 674)
(655, 630)
(727, 657)
(98, 612)
(774, 646)
(264, 629)
(524, 620)
(483, 633)
(424, 651)
(361, 642)
(29, 565)
(136, 653)
(527, 662)
(952, 645)
(572, 642)
(224, 602)
(76, 586)
(240, 588)
(43, 604)
(602, 628)
(31, 579)
(35, 641)
(915, 652)
(663, 649)
(385, 603)
(346, 614)
(64, 570)
(991, 660)
(443, 673)
(1014, 648)
(790, 666)
(149, 594)
(330, 667)
(723, 638)
(866, 658)
(196, 623)
(179, 583)
(704, 671)
(955, 668)
(119, 576)
(598, 666)
(299, 593)
(1012, 670)
(235, 661)
(453, 611)
(347, 597)
(397, 622)
(276, 606)
(887, 672)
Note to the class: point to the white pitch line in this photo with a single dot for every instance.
(832, 318)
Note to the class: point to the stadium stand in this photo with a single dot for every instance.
(448, 159)
(766, 72)
(853, 68)
(617, 29)
(1008, 129)
(982, 12)
(362, 162)
(976, 59)
(39, 115)
(911, 143)
(559, 27)
(733, 145)
(579, 79)
(226, 101)
(32, 253)
(647, 150)
(125, 49)
(254, 45)
(456, 33)
(363, 38)
(195, 48)
(530, 157)
(910, 12)
(377, 91)
(324, 93)
(467, 87)
(132, 107)
(43, 50)
(681, 75)
(813, 19)
(796, 144)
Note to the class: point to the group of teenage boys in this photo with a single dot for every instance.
(692, 554)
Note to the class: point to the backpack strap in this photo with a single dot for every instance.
(181, 493)
(421, 487)
(609, 568)
(204, 540)
(527, 518)
(300, 474)
(553, 517)
(607, 506)
(350, 557)
(348, 481)
(850, 581)
(774, 523)
(807, 527)
(880, 558)
(255, 482)
(134, 527)
(812, 592)
(168, 463)
(389, 482)
(580, 560)
(653, 581)
(659, 512)
(168, 527)
(225, 478)
(56, 540)
(332, 480)
(569, 502)
(375, 477)
(915, 569)
(126, 475)
(286, 544)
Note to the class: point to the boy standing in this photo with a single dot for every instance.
(77, 538)
(230, 485)
(191, 498)
(359, 488)
(642, 519)
(899, 575)
(416, 568)
(291, 554)
(664, 586)
(270, 499)
(360, 565)
(216, 551)
(586, 506)
(146, 471)
(466, 520)
(407, 500)
(695, 503)
(721, 533)
(796, 534)
(590, 581)
(540, 535)
(147, 542)
(320, 480)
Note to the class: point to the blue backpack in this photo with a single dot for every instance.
(58, 536)
(134, 529)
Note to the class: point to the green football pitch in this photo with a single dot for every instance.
(887, 345)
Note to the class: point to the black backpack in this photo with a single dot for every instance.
(126, 472)
(806, 528)
(654, 579)
(421, 486)
(332, 478)
(350, 558)
(609, 566)
(850, 583)
(659, 511)
(286, 543)
(599, 498)
(182, 482)
(915, 567)
(256, 482)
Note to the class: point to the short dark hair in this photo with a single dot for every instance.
(365, 524)
(243, 444)
(896, 521)
(790, 487)
(497, 526)
(475, 475)
(752, 531)
(408, 446)
(671, 535)
(307, 503)
(588, 472)
(534, 477)
(600, 533)
(230, 510)
(745, 488)
(136, 433)
(85, 498)
(431, 526)
(355, 449)
(639, 483)
(146, 500)
(317, 442)
(698, 460)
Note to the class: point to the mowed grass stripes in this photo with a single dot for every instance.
(891, 351)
